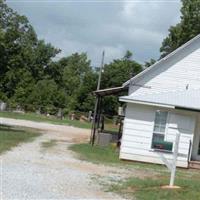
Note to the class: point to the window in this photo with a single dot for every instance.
(158, 141)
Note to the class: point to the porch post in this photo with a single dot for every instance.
(94, 122)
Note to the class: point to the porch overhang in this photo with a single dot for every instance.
(110, 91)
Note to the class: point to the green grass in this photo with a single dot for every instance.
(11, 137)
(150, 188)
(107, 156)
(96, 154)
(42, 118)
(49, 144)
(142, 188)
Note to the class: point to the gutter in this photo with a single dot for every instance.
(145, 103)
(127, 100)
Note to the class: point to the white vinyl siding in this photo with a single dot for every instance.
(138, 132)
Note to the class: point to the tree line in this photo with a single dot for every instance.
(32, 79)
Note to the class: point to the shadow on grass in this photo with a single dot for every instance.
(49, 144)
(12, 136)
(8, 128)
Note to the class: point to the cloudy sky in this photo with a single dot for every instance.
(95, 25)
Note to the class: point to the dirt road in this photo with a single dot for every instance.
(31, 172)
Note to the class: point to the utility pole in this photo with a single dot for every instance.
(100, 72)
(93, 131)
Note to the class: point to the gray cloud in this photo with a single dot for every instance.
(86, 26)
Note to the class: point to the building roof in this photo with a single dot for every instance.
(158, 63)
(188, 99)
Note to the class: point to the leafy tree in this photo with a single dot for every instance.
(23, 57)
(76, 77)
(24, 88)
(149, 63)
(119, 71)
(85, 97)
(77, 65)
(44, 95)
(30, 78)
(188, 27)
(115, 74)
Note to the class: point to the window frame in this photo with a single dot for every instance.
(161, 133)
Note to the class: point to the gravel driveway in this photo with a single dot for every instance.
(31, 172)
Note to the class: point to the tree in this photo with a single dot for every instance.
(46, 96)
(115, 74)
(188, 27)
(85, 96)
(76, 66)
(149, 63)
(23, 57)
(76, 77)
(119, 71)
(31, 79)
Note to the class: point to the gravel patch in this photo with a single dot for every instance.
(31, 172)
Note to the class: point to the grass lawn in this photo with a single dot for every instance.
(150, 189)
(106, 155)
(143, 188)
(42, 118)
(11, 137)
(95, 154)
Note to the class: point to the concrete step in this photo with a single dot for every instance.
(194, 164)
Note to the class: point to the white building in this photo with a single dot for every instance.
(165, 99)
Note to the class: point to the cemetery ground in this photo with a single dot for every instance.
(109, 124)
(42, 118)
(43, 161)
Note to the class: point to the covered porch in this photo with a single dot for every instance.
(100, 134)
